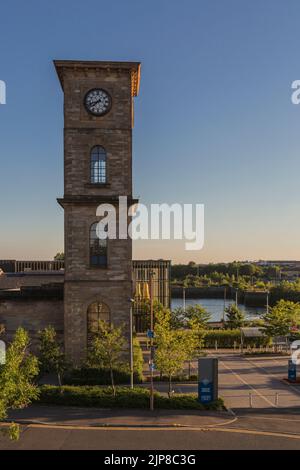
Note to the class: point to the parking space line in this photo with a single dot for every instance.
(248, 385)
(272, 375)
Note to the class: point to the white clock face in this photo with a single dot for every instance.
(97, 101)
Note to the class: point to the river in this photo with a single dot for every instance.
(216, 307)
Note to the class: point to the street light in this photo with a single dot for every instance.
(151, 274)
(131, 340)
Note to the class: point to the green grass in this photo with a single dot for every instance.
(102, 397)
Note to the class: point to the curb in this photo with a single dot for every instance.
(123, 425)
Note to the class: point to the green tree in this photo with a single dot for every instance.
(234, 317)
(17, 387)
(51, 356)
(172, 348)
(106, 349)
(138, 360)
(281, 317)
(198, 313)
(59, 257)
(194, 340)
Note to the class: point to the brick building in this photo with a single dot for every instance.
(97, 275)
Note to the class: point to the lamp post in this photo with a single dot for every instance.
(151, 274)
(223, 317)
(131, 341)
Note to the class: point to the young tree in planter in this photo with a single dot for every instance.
(234, 317)
(172, 348)
(17, 387)
(107, 348)
(51, 357)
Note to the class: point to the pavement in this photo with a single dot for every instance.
(99, 417)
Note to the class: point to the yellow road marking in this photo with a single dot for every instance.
(203, 429)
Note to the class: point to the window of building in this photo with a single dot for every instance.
(98, 165)
(98, 248)
(96, 311)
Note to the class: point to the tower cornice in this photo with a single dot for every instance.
(133, 67)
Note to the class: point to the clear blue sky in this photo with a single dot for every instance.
(214, 119)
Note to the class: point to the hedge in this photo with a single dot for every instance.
(99, 376)
(102, 397)
(227, 338)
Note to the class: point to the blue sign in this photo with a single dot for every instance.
(292, 371)
(205, 391)
(150, 333)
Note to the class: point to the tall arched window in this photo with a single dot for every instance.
(98, 164)
(96, 311)
(98, 248)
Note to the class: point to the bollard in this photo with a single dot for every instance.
(250, 400)
(276, 398)
(216, 345)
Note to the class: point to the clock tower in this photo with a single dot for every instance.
(98, 122)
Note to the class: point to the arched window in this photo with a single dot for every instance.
(98, 248)
(96, 311)
(98, 165)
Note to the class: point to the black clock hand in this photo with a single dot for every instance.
(95, 102)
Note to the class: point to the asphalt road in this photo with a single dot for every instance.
(242, 376)
(36, 438)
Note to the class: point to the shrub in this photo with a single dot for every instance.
(226, 339)
(125, 398)
(99, 376)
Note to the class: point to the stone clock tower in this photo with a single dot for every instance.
(98, 121)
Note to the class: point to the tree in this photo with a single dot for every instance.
(172, 348)
(195, 340)
(17, 387)
(198, 313)
(51, 357)
(59, 256)
(280, 318)
(234, 317)
(180, 317)
(106, 349)
(138, 359)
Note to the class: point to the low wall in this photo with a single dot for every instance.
(33, 315)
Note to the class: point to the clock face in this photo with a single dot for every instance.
(97, 102)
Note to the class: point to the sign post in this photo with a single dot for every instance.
(292, 371)
(207, 379)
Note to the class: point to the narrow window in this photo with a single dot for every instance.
(96, 311)
(98, 165)
(98, 248)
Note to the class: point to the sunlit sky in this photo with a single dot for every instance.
(214, 122)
